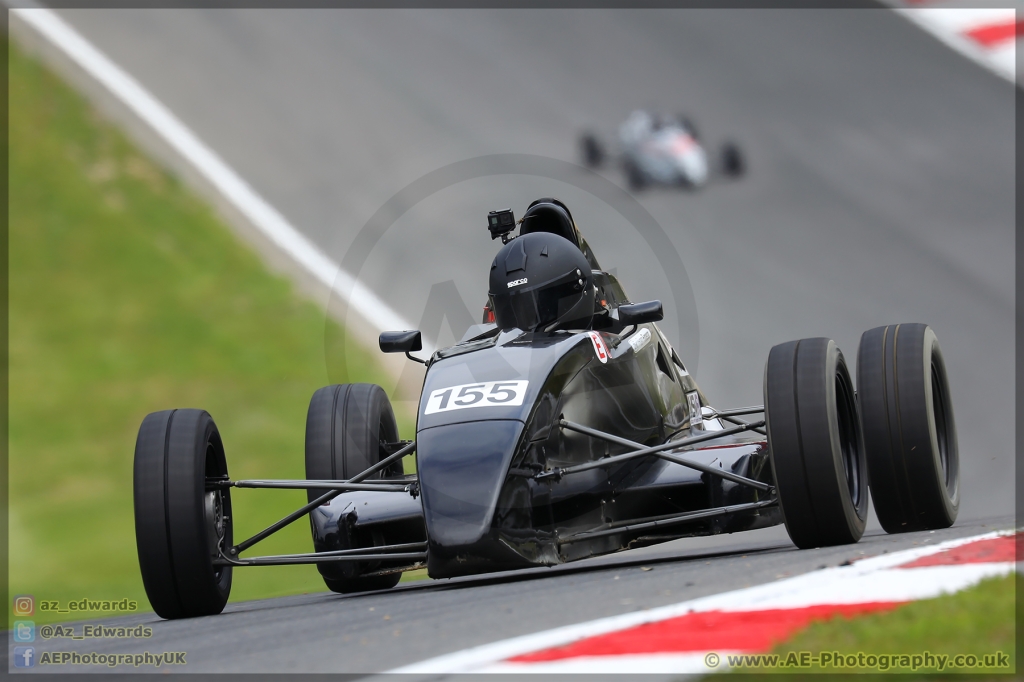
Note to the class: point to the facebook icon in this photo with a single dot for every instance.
(24, 656)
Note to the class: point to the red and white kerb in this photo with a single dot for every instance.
(682, 638)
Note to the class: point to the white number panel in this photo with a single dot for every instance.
(483, 394)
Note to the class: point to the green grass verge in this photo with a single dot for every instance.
(978, 622)
(127, 296)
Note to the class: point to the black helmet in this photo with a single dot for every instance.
(541, 282)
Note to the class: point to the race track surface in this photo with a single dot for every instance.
(880, 190)
(379, 631)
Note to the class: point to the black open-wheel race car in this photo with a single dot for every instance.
(565, 427)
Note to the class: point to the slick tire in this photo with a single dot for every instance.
(345, 426)
(179, 522)
(635, 177)
(733, 163)
(909, 431)
(814, 439)
(591, 151)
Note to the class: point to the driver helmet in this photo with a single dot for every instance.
(541, 282)
(662, 122)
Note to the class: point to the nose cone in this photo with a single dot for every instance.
(693, 166)
(461, 470)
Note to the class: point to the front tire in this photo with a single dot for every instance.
(733, 163)
(814, 439)
(635, 177)
(591, 151)
(345, 426)
(909, 430)
(180, 525)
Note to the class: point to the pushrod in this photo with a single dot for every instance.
(323, 499)
(659, 450)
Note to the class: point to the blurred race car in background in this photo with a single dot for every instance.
(663, 150)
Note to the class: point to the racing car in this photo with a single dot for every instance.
(662, 150)
(566, 428)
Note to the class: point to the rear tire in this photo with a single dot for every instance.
(345, 426)
(733, 163)
(178, 523)
(591, 150)
(635, 177)
(909, 431)
(815, 443)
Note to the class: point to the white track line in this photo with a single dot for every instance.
(237, 191)
(866, 580)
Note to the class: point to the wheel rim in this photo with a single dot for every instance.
(848, 437)
(942, 427)
(217, 513)
(382, 438)
(216, 525)
(381, 451)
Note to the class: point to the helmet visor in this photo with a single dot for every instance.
(539, 307)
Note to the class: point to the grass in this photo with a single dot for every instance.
(127, 296)
(978, 621)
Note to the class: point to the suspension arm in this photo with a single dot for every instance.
(323, 499)
(381, 486)
(318, 558)
(739, 412)
(736, 420)
(656, 522)
(413, 551)
(659, 450)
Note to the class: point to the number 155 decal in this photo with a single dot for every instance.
(483, 394)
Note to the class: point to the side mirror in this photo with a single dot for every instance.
(638, 313)
(401, 342)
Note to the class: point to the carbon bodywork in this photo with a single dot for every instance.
(481, 507)
(484, 511)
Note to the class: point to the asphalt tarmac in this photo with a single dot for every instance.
(380, 631)
(880, 190)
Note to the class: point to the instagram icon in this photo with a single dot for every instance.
(24, 605)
